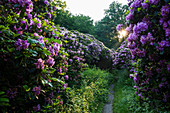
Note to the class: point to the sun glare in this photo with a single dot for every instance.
(122, 33)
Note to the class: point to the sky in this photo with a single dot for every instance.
(93, 8)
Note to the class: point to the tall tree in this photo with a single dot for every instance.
(83, 24)
(105, 30)
(80, 22)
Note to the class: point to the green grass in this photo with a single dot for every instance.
(123, 91)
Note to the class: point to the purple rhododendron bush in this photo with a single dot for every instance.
(149, 44)
(96, 53)
(122, 57)
(33, 62)
(88, 47)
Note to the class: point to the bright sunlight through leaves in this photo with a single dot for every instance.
(122, 33)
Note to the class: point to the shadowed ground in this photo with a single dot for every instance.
(108, 106)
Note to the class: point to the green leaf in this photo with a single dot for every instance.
(10, 49)
(3, 27)
(4, 51)
(162, 53)
(2, 92)
(44, 82)
(147, 1)
(52, 70)
(4, 100)
(127, 12)
(32, 41)
(154, 6)
(46, 51)
(33, 52)
(66, 41)
(4, 104)
(26, 88)
(16, 5)
(57, 80)
(57, 41)
(22, 13)
(139, 9)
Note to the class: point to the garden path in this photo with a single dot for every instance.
(108, 106)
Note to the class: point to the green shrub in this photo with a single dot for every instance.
(92, 94)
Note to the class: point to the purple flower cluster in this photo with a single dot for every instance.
(122, 57)
(163, 44)
(28, 4)
(40, 64)
(36, 90)
(55, 49)
(165, 21)
(37, 108)
(119, 27)
(165, 10)
(12, 93)
(50, 61)
(141, 26)
(154, 2)
(46, 2)
(21, 44)
(145, 5)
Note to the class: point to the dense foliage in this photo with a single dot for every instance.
(81, 23)
(31, 55)
(149, 42)
(105, 30)
(42, 64)
(122, 57)
(39, 60)
(92, 94)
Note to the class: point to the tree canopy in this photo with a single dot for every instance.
(79, 22)
(105, 30)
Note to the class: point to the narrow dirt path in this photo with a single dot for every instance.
(108, 106)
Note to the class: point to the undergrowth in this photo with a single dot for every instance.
(125, 99)
(92, 94)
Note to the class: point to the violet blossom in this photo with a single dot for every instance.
(145, 5)
(36, 90)
(37, 108)
(40, 64)
(165, 10)
(119, 27)
(50, 61)
(46, 2)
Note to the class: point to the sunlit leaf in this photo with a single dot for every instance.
(46, 51)
(57, 80)
(4, 100)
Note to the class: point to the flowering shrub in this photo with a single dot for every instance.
(96, 53)
(122, 57)
(76, 61)
(149, 42)
(30, 56)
